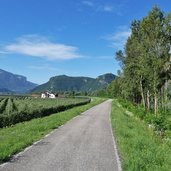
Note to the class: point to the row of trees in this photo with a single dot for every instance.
(146, 62)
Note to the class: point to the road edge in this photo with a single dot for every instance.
(118, 160)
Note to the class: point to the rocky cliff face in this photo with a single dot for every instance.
(14, 83)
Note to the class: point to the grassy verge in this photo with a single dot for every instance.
(161, 123)
(140, 149)
(14, 139)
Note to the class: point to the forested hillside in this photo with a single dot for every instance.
(79, 84)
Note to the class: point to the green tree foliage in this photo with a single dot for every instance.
(146, 62)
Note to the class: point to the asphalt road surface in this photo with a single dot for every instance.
(85, 143)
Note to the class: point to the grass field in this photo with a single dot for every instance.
(139, 148)
(15, 138)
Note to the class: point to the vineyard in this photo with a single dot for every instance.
(17, 109)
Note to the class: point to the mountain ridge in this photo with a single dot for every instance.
(71, 83)
(14, 82)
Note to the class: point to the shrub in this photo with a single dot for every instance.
(28, 109)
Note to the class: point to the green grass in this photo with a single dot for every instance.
(161, 122)
(15, 138)
(139, 148)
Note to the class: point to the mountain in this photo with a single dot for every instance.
(5, 91)
(67, 83)
(10, 82)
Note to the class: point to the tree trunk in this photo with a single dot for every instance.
(162, 96)
(165, 94)
(155, 103)
(155, 92)
(148, 100)
(142, 93)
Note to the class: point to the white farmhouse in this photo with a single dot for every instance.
(52, 96)
(46, 94)
(43, 95)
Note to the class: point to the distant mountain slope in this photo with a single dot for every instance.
(14, 83)
(5, 91)
(66, 83)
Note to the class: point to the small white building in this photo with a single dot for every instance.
(43, 95)
(46, 94)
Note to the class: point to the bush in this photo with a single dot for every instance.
(29, 109)
(161, 122)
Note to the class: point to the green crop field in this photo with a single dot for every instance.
(17, 109)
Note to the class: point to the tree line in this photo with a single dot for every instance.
(146, 63)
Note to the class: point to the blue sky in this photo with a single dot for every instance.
(43, 38)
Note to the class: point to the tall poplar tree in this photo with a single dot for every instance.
(146, 61)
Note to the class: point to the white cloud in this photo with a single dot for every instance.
(116, 9)
(3, 52)
(98, 7)
(108, 8)
(119, 37)
(88, 3)
(38, 46)
(106, 57)
(43, 67)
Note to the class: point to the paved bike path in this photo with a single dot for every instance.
(85, 143)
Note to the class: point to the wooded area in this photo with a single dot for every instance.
(146, 63)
